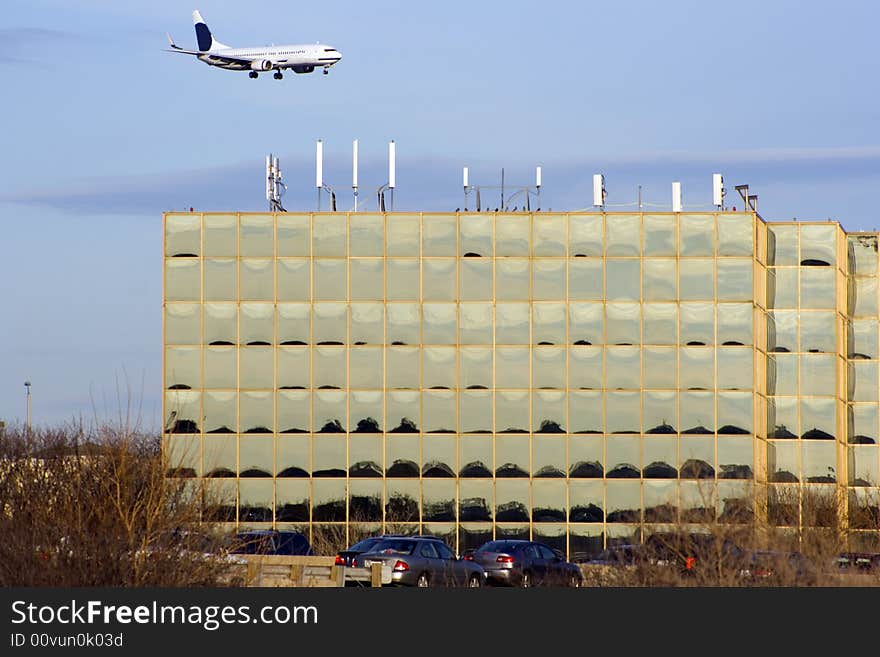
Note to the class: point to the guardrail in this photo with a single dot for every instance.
(276, 570)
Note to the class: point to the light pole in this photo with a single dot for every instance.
(27, 387)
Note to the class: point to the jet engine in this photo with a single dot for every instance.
(304, 68)
(261, 65)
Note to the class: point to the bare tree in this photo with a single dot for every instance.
(95, 507)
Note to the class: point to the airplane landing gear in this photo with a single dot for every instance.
(278, 75)
(326, 70)
(253, 74)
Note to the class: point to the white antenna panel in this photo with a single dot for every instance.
(676, 197)
(319, 164)
(598, 190)
(717, 190)
(391, 164)
(269, 177)
(354, 163)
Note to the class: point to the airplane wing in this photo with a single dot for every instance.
(185, 52)
(222, 58)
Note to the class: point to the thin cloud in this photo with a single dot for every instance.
(20, 46)
(755, 156)
(16, 37)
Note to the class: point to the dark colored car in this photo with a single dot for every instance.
(271, 541)
(421, 561)
(346, 557)
(618, 556)
(526, 563)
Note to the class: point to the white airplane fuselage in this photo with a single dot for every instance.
(300, 58)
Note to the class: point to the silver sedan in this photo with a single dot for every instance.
(422, 561)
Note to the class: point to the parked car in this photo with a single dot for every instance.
(858, 562)
(687, 551)
(613, 565)
(346, 557)
(421, 561)
(778, 568)
(271, 541)
(620, 555)
(526, 563)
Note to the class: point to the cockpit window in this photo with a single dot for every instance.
(329, 49)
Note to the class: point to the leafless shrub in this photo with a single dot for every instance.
(329, 539)
(96, 508)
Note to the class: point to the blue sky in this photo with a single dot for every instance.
(102, 132)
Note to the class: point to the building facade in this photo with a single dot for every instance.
(572, 377)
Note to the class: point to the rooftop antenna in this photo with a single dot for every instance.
(676, 197)
(319, 177)
(274, 187)
(319, 169)
(718, 191)
(392, 170)
(27, 387)
(502, 206)
(537, 187)
(599, 192)
(354, 172)
(270, 181)
(380, 193)
(464, 179)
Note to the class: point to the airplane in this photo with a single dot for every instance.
(299, 58)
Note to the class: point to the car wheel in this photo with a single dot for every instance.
(574, 581)
(423, 581)
(526, 580)
(474, 582)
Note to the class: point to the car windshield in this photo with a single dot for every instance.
(365, 544)
(394, 546)
(619, 553)
(499, 546)
(252, 544)
(294, 543)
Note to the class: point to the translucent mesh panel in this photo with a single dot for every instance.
(257, 235)
(182, 323)
(221, 235)
(183, 235)
(402, 232)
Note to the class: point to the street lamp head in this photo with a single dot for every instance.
(27, 384)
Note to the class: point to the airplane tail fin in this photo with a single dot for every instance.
(204, 37)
